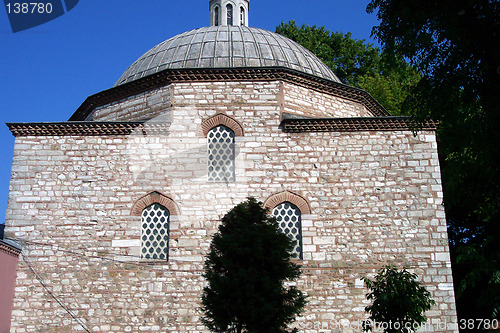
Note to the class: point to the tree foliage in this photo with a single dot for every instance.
(247, 269)
(356, 63)
(398, 300)
(455, 45)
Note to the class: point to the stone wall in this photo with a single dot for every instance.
(375, 199)
(288, 97)
(143, 106)
(310, 103)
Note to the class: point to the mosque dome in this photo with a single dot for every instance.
(227, 46)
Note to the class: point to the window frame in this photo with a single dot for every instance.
(298, 225)
(146, 256)
(212, 169)
(242, 15)
(229, 14)
(216, 16)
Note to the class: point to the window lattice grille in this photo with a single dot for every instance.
(155, 232)
(221, 155)
(288, 217)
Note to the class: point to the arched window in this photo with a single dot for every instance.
(221, 155)
(155, 232)
(229, 9)
(216, 16)
(242, 16)
(289, 221)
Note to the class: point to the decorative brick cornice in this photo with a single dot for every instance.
(291, 197)
(357, 124)
(222, 119)
(152, 198)
(87, 128)
(169, 76)
(9, 249)
(91, 128)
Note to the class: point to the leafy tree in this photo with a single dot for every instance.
(247, 270)
(356, 63)
(399, 302)
(455, 45)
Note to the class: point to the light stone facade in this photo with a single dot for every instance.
(311, 103)
(368, 198)
(232, 97)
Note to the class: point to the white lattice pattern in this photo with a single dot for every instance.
(155, 232)
(288, 217)
(221, 155)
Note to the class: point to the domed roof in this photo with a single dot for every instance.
(227, 47)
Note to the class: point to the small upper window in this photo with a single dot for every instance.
(216, 16)
(289, 222)
(242, 16)
(221, 154)
(229, 14)
(155, 232)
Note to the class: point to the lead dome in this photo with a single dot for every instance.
(227, 43)
(227, 47)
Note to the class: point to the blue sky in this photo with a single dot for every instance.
(46, 72)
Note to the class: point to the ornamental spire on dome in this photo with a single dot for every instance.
(229, 12)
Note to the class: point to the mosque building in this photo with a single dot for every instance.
(115, 208)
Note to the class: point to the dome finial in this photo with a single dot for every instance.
(229, 12)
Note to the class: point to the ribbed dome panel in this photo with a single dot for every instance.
(227, 47)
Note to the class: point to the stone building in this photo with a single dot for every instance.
(116, 207)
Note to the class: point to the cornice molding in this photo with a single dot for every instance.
(88, 128)
(9, 249)
(357, 124)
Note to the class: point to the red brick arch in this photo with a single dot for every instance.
(222, 119)
(152, 198)
(296, 199)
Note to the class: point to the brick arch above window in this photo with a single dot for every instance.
(288, 196)
(152, 198)
(222, 119)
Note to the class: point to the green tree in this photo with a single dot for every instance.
(399, 301)
(247, 269)
(356, 63)
(455, 45)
